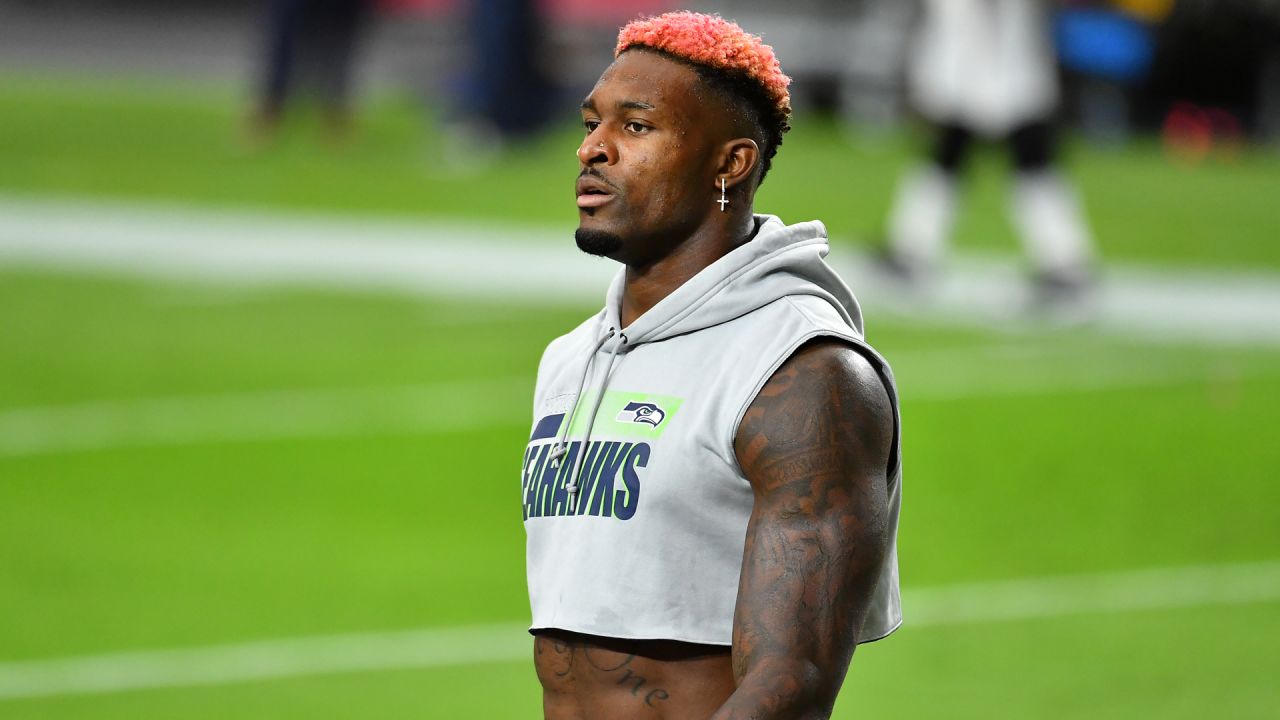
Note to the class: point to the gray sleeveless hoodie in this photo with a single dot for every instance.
(635, 508)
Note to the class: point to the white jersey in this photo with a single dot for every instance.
(985, 64)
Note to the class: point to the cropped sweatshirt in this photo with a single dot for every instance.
(635, 508)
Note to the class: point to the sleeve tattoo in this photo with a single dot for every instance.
(815, 445)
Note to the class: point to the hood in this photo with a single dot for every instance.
(780, 261)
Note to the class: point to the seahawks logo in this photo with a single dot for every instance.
(642, 412)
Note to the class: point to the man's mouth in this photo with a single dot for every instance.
(592, 192)
(593, 199)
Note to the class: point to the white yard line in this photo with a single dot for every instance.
(969, 604)
(264, 660)
(927, 376)
(436, 259)
(540, 265)
(1095, 594)
(270, 415)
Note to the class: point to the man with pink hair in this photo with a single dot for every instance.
(712, 483)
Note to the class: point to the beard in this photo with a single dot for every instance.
(598, 242)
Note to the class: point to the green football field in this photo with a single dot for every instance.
(1090, 524)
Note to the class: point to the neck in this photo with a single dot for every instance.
(647, 285)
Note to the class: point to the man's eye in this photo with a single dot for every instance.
(636, 127)
(590, 125)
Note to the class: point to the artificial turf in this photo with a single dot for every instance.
(1027, 454)
(1167, 463)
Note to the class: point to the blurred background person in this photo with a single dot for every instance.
(504, 93)
(508, 90)
(309, 44)
(985, 69)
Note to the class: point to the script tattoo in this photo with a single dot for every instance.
(815, 444)
(558, 655)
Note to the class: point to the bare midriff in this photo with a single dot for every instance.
(586, 677)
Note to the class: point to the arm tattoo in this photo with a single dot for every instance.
(816, 446)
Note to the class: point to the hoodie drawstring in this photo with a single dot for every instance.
(572, 486)
(561, 447)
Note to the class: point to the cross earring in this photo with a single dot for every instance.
(723, 200)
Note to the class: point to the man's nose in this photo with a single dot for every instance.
(594, 150)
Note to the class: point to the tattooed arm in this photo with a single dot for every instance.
(815, 445)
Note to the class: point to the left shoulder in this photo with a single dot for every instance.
(842, 365)
(826, 406)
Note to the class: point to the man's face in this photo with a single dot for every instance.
(648, 162)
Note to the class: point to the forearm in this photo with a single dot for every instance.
(796, 619)
(782, 689)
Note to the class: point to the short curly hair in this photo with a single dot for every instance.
(728, 59)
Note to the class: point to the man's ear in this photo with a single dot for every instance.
(738, 160)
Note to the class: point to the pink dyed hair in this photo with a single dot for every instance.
(712, 41)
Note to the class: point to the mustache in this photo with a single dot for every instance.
(592, 172)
